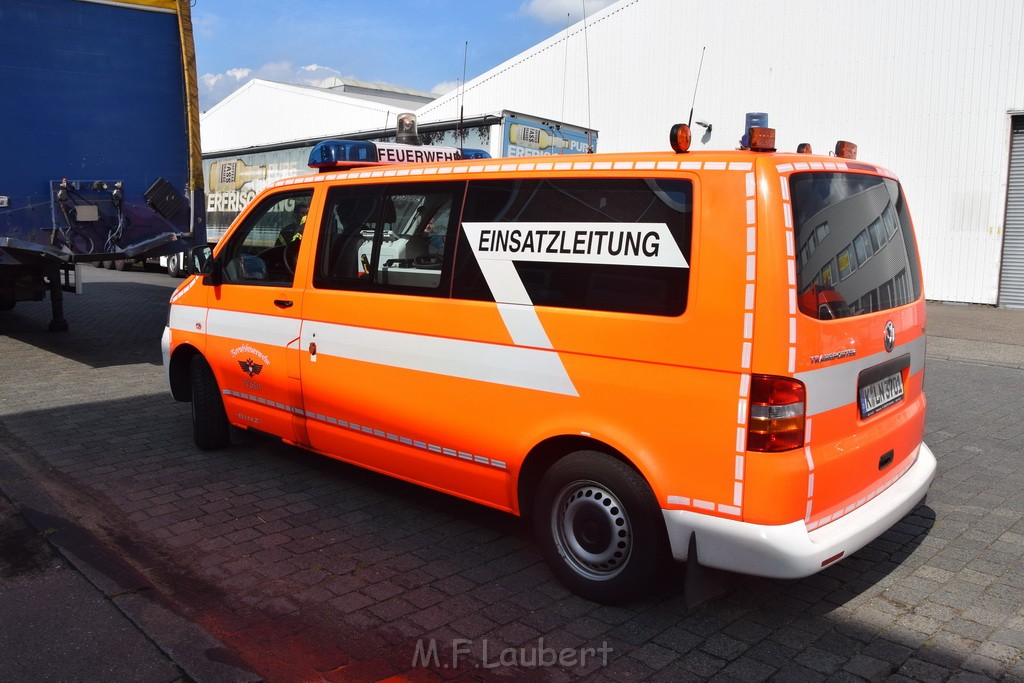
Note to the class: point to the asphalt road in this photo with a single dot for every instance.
(301, 568)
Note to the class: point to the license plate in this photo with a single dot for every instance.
(881, 394)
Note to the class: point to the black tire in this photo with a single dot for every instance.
(210, 428)
(599, 527)
(173, 265)
(123, 265)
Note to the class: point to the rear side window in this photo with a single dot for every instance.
(387, 238)
(605, 244)
(855, 249)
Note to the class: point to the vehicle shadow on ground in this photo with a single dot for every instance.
(262, 540)
(111, 323)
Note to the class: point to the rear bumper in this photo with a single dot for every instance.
(789, 551)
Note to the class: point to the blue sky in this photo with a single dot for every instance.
(411, 43)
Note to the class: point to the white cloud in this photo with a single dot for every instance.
(215, 87)
(210, 81)
(204, 24)
(445, 86)
(555, 11)
(314, 74)
(276, 71)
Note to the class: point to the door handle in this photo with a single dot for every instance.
(283, 303)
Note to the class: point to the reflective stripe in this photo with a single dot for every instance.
(253, 328)
(514, 366)
(187, 318)
(524, 326)
(525, 167)
(185, 289)
(874, 493)
(378, 433)
(835, 386)
(743, 403)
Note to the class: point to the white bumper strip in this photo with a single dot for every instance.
(789, 551)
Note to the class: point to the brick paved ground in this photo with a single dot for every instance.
(310, 568)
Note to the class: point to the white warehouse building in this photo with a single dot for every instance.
(934, 91)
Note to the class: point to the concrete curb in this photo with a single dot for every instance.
(976, 352)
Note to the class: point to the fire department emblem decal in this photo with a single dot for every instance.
(889, 336)
(250, 367)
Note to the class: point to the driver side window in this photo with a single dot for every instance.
(264, 250)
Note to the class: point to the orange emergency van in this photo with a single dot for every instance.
(633, 349)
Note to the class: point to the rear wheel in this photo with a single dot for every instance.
(210, 428)
(599, 527)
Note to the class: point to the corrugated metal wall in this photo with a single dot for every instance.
(924, 88)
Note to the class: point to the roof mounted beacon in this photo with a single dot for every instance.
(338, 155)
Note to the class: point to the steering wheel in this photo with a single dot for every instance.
(290, 255)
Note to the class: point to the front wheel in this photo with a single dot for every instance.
(599, 527)
(210, 428)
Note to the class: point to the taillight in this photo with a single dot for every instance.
(776, 414)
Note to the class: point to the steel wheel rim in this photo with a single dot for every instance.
(591, 530)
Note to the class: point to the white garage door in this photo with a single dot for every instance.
(1011, 278)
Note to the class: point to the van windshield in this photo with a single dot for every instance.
(856, 252)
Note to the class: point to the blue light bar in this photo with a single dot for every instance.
(474, 154)
(340, 153)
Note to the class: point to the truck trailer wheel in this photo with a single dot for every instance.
(599, 527)
(174, 265)
(210, 428)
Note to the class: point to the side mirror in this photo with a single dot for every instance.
(202, 262)
(200, 258)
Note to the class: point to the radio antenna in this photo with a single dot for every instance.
(565, 66)
(695, 84)
(586, 51)
(462, 96)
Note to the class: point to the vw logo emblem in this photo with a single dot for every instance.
(889, 336)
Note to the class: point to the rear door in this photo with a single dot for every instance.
(394, 372)
(860, 342)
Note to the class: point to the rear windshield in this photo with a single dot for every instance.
(855, 249)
